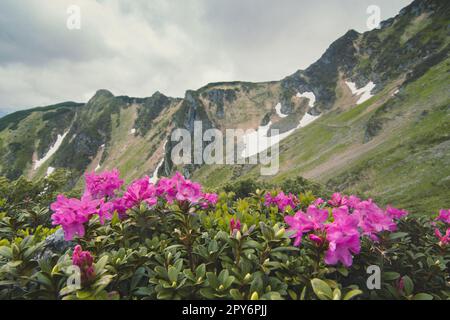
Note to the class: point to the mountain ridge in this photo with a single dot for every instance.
(132, 133)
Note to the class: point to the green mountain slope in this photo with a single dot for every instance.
(394, 148)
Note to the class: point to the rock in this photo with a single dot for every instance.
(55, 244)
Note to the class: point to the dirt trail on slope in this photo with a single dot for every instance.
(340, 160)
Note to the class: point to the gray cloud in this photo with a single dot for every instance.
(138, 47)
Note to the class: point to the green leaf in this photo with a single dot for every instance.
(409, 285)
(172, 274)
(6, 252)
(343, 271)
(272, 296)
(390, 275)
(236, 295)
(115, 219)
(336, 294)
(175, 246)
(223, 275)
(100, 265)
(207, 293)
(292, 294)
(257, 284)
(200, 270)
(102, 283)
(84, 295)
(15, 263)
(321, 289)
(397, 235)
(351, 294)
(303, 294)
(179, 265)
(228, 282)
(212, 279)
(164, 295)
(423, 296)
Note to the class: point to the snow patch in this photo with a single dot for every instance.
(307, 119)
(52, 151)
(155, 177)
(309, 95)
(364, 92)
(97, 167)
(278, 110)
(257, 141)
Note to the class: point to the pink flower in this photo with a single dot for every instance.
(168, 188)
(84, 260)
(81, 258)
(343, 238)
(353, 201)
(106, 211)
(189, 191)
(396, 213)
(72, 214)
(212, 198)
(337, 200)
(316, 239)
(104, 184)
(318, 202)
(179, 188)
(281, 200)
(301, 222)
(443, 239)
(140, 190)
(121, 206)
(209, 199)
(373, 220)
(444, 216)
(235, 225)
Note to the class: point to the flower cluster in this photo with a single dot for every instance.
(104, 184)
(179, 188)
(72, 214)
(84, 261)
(444, 218)
(281, 200)
(351, 220)
(312, 220)
(100, 198)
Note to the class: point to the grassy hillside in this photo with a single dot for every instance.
(29, 134)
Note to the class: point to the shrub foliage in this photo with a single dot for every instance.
(173, 241)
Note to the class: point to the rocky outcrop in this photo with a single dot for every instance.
(218, 97)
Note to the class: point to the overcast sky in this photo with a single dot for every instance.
(136, 47)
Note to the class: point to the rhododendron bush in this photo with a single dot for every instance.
(175, 240)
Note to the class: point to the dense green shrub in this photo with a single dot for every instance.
(229, 249)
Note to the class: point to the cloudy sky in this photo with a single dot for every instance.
(135, 47)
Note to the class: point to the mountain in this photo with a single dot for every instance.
(370, 116)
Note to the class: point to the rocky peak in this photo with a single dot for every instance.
(103, 93)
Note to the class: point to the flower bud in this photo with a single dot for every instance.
(280, 233)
